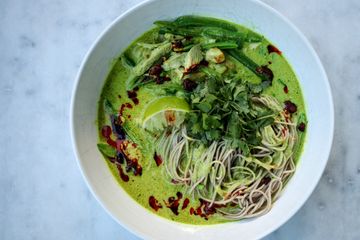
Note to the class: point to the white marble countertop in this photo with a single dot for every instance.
(42, 193)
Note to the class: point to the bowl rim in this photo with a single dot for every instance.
(144, 4)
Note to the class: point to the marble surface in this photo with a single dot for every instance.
(42, 193)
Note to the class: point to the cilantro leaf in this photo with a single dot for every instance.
(204, 106)
(233, 128)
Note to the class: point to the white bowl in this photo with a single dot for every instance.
(253, 14)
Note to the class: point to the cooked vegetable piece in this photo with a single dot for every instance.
(193, 58)
(174, 61)
(219, 68)
(145, 64)
(214, 55)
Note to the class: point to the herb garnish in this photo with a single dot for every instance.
(224, 110)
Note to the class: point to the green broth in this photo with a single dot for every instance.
(154, 181)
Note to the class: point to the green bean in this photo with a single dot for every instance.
(210, 32)
(181, 31)
(218, 33)
(261, 71)
(243, 59)
(221, 45)
(164, 23)
(253, 37)
(190, 20)
(208, 27)
(221, 34)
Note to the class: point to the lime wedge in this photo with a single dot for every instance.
(163, 112)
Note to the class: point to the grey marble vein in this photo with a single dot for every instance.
(42, 194)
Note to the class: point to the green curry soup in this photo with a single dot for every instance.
(201, 121)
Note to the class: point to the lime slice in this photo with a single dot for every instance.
(163, 112)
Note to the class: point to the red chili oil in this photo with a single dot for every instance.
(123, 107)
(173, 203)
(185, 203)
(135, 100)
(158, 159)
(205, 210)
(123, 176)
(301, 127)
(265, 71)
(154, 204)
(192, 211)
(106, 131)
(155, 70)
(286, 89)
(290, 106)
(133, 95)
(195, 67)
(272, 48)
